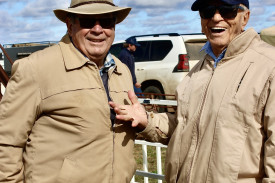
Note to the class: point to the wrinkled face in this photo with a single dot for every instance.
(221, 31)
(92, 35)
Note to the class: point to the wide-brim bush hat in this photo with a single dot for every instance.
(198, 4)
(93, 7)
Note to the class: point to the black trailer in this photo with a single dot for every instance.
(21, 50)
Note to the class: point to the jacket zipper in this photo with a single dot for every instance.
(113, 125)
(198, 126)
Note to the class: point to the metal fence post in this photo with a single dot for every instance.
(145, 162)
(159, 166)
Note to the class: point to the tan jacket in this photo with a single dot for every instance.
(225, 128)
(55, 121)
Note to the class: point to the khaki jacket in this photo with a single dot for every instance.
(55, 122)
(225, 127)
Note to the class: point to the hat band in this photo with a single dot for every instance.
(91, 2)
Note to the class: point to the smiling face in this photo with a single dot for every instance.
(220, 31)
(93, 42)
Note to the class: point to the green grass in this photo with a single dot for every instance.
(152, 161)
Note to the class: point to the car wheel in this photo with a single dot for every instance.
(154, 92)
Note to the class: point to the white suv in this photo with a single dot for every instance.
(162, 60)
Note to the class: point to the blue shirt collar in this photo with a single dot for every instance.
(108, 64)
(208, 49)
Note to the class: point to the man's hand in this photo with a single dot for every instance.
(135, 113)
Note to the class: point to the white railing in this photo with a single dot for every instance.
(2, 88)
(158, 102)
(2, 62)
(145, 173)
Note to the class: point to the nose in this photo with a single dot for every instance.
(97, 27)
(217, 16)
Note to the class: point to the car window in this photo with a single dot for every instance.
(147, 51)
(193, 50)
(142, 52)
(159, 49)
(153, 50)
(116, 48)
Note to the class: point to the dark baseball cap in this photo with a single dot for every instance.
(198, 4)
(132, 40)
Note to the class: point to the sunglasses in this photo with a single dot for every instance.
(226, 11)
(88, 23)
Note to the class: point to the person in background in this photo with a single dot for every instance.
(55, 121)
(224, 127)
(126, 56)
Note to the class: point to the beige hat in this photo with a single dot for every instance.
(93, 7)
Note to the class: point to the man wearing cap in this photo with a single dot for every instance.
(56, 125)
(224, 128)
(126, 56)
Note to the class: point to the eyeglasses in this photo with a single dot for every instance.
(88, 23)
(226, 11)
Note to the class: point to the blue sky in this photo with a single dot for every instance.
(33, 20)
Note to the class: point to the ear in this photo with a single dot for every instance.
(246, 17)
(69, 26)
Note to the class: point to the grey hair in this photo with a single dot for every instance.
(245, 8)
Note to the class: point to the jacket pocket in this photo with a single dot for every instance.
(241, 78)
(228, 146)
(66, 172)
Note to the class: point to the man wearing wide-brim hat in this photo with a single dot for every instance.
(56, 123)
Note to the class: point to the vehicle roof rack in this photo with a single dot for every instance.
(165, 34)
(192, 34)
(157, 35)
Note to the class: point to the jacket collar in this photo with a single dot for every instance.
(72, 57)
(241, 42)
(237, 46)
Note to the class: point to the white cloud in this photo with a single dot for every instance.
(161, 21)
(33, 20)
(269, 2)
(155, 8)
(42, 8)
(257, 10)
(272, 17)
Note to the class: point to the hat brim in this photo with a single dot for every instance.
(95, 9)
(198, 4)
